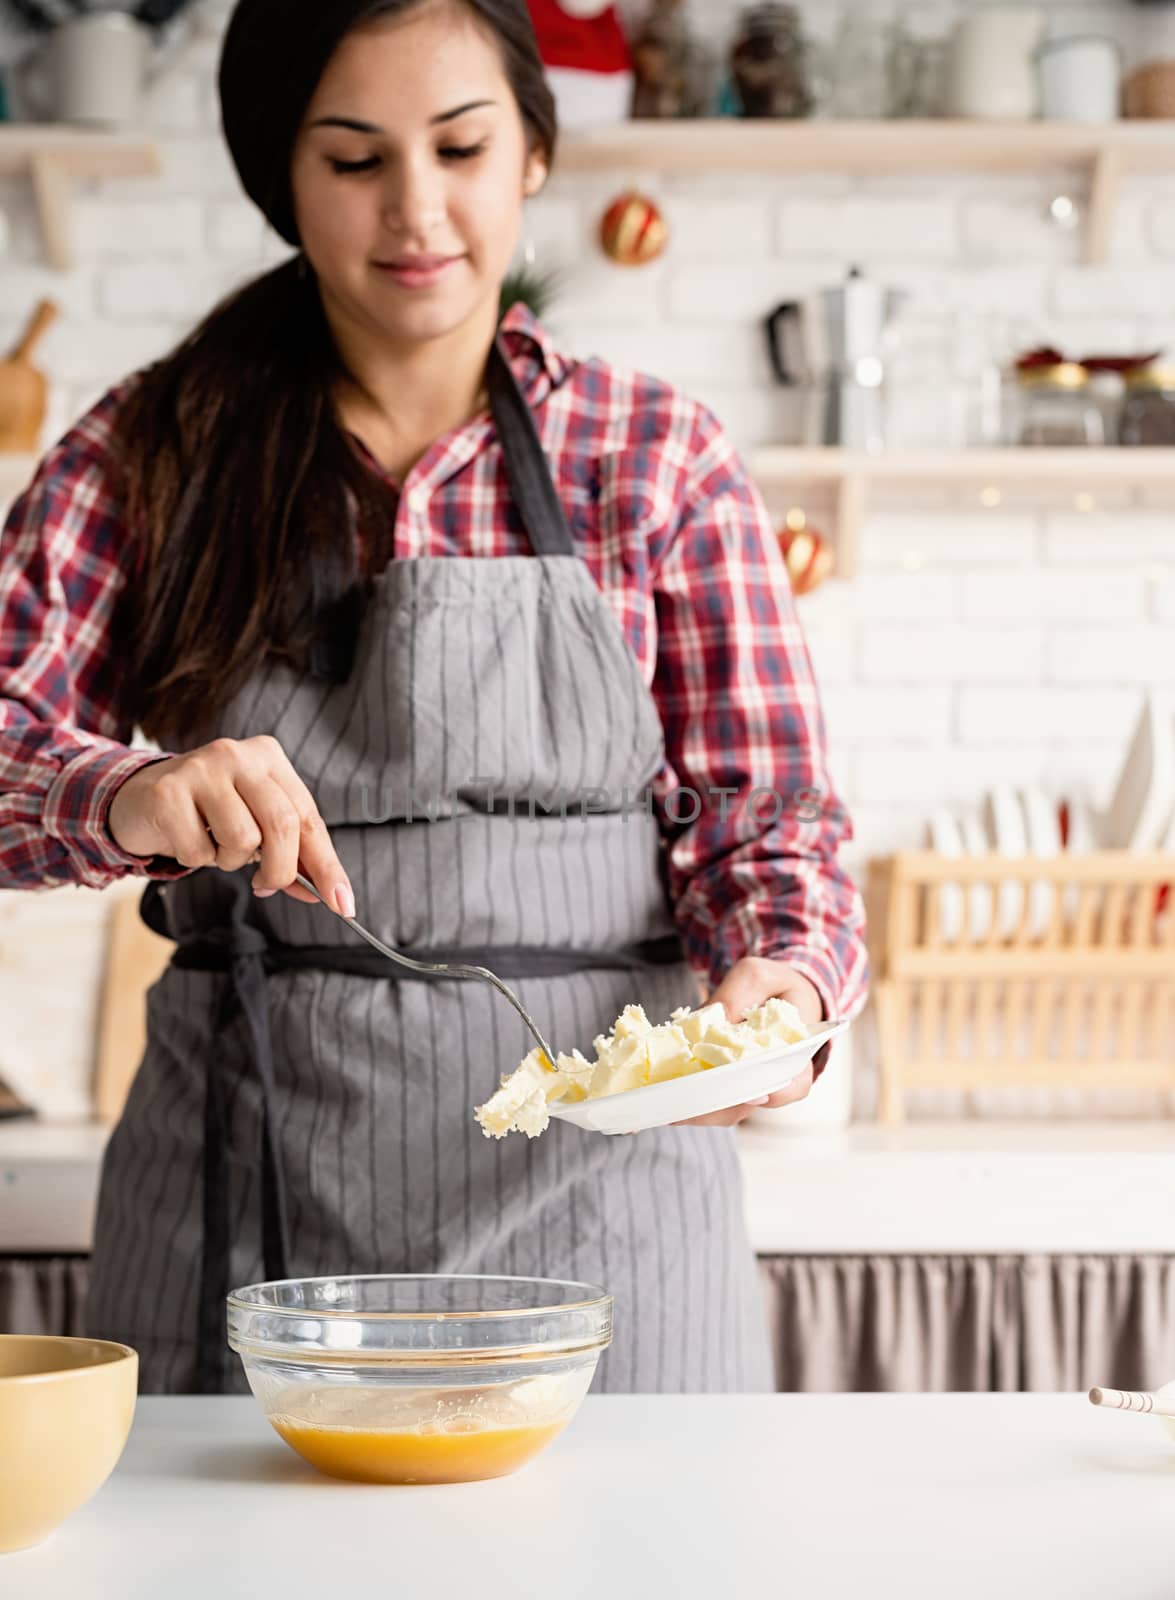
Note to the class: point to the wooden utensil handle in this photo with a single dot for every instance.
(40, 321)
(1134, 1400)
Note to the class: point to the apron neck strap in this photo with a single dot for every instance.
(528, 471)
(338, 606)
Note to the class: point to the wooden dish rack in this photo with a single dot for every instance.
(1035, 972)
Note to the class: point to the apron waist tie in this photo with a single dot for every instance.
(210, 954)
(239, 951)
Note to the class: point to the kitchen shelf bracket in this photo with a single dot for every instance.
(852, 501)
(53, 157)
(1103, 205)
(51, 190)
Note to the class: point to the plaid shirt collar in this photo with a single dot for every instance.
(536, 363)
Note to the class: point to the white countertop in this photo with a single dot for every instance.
(966, 1496)
(49, 1185)
(953, 1187)
(966, 1188)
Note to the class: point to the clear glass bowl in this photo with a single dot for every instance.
(401, 1379)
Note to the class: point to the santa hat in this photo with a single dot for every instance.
(587, 59)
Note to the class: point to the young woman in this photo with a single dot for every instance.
(494, 643)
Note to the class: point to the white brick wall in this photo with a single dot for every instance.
(1053, 596)
(973, 646)
(892, 654)
(947, 537)
(1035, 716)
(1135, 537)
(880, 714)
(1101, 656)
(108, 229)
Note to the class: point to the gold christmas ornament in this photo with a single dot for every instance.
(632, 231)
(808, 555)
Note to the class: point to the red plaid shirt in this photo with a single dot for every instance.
(677, 539)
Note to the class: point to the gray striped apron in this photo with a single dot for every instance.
(304, 1109)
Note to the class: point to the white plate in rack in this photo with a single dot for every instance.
(1003, 818)
(1144, 797)
(1043, 832)
(944, 837)
(716, 1089)
(1083, 836)
(976, 843)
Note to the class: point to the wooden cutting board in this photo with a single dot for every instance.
(135, 958)
(23, 389)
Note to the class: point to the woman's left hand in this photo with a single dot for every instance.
(748, 984)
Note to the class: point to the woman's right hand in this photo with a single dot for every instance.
(222, 805)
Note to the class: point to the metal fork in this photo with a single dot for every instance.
(448, 969)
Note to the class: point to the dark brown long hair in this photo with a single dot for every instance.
(241, 489)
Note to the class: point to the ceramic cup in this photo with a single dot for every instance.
(91, 71)
(1080, 79)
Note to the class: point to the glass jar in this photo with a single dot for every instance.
(917, 68)
(1148, 410)
(769, 63)
(670, 65)
(860, 67)
(1057, 409)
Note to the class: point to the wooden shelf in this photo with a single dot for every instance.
(733, 144)
(52, 157)
(1076, 467)
(1103, 154)
(851, 475)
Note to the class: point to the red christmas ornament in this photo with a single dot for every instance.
(808, 556)
(633, 232)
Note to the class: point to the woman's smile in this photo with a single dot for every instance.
(418, 271)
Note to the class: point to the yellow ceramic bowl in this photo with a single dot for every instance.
(66, 1407)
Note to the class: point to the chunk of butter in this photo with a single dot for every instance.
(633, 1055)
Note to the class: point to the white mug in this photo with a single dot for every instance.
(92, 71)
(1080, 79)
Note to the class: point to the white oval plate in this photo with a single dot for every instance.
(716, 1089)
(1003, 817)
(944, 835)
(975, 843)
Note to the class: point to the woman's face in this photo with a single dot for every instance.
(409, 174)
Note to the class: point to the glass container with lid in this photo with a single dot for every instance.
(1148, 410)
(1057, 407)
